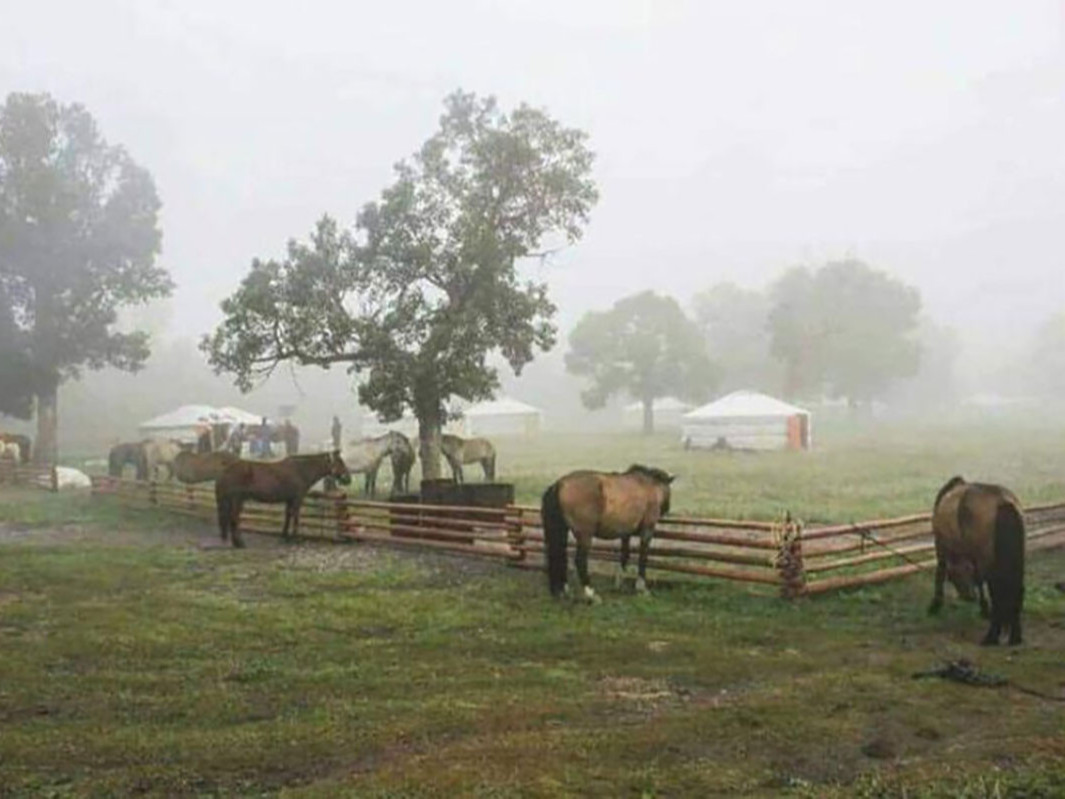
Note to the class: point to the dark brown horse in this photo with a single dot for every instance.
(403, 456)
(22, 442)
(129, 454)
(199, 467)
(284, 481)
(980, 537)
(602, 505)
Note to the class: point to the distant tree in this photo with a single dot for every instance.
(428, 285)
(644, 347)
(78, 239)
(846, 329)
(735, 322)
(1048, 357)
(935, 383)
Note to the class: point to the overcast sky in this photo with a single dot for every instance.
(734, 139)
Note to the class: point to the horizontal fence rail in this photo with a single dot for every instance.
(795, 560)
(28, 474)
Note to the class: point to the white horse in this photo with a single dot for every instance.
(161, 452)
(365, 456)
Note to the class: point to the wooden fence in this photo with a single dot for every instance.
(28, 474)
(783, 555)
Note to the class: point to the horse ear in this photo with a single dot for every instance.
(670, 479)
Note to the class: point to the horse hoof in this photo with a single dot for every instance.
(590, 596)
(641, 587)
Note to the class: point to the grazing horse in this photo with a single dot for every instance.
(22, 442)
(365, 455)
(285, 481)
(979, 535)
(199, 467)
(602, 505)
(131, 454)
(403, 457)
(458, 451)
(161, 452)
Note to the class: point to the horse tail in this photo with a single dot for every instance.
(1009, 560)
(556, 537)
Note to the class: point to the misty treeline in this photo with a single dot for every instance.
(843, 330)
(423, 298)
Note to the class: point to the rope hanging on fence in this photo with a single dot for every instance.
(866, 535)
(788, 559)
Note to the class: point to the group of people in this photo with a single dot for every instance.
(262, 437)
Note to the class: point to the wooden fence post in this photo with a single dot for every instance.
(53, 477)
(340, 507)
(789, 561)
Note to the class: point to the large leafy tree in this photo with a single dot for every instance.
(79, 236)
(428, 284)
(645, 347)
(845, 328)
(735, 322)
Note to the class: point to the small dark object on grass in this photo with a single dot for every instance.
(1060, 586)
(963, 671)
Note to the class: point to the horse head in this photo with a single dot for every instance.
(662, 480)
(962, 574)
(338, 470)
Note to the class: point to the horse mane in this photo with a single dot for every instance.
(658, 475)
(952, 483)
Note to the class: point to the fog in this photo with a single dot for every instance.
(734, 140)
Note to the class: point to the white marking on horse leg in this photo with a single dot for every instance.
(590, 595)
(641, 586)
(619, 576)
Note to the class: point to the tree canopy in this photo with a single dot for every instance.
(845, 328)
(78, 239)
(645, 347)
(735, 322)
(428, 284)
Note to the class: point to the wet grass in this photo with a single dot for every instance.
(140, 659)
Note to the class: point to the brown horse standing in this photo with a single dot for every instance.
(979, 535)
(460, 451)
(602, 505)
(199, 467)
(279, 481)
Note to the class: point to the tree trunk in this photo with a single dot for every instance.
(648, 416)
(46, 447)
(429, 445)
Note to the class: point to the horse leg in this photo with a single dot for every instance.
(223, 517)
(623, 563)
(288, 518)
(985, 611)
(937, 593)
(641, 579)
(581, 561)
(994, 630)
(234, 523)
(296, 517)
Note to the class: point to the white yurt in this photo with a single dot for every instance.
(372, 427)
(747, 420)
(502, 417)
(180, 424)
(186, 423)
(669, 414)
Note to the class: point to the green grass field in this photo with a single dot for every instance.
(138, 657)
